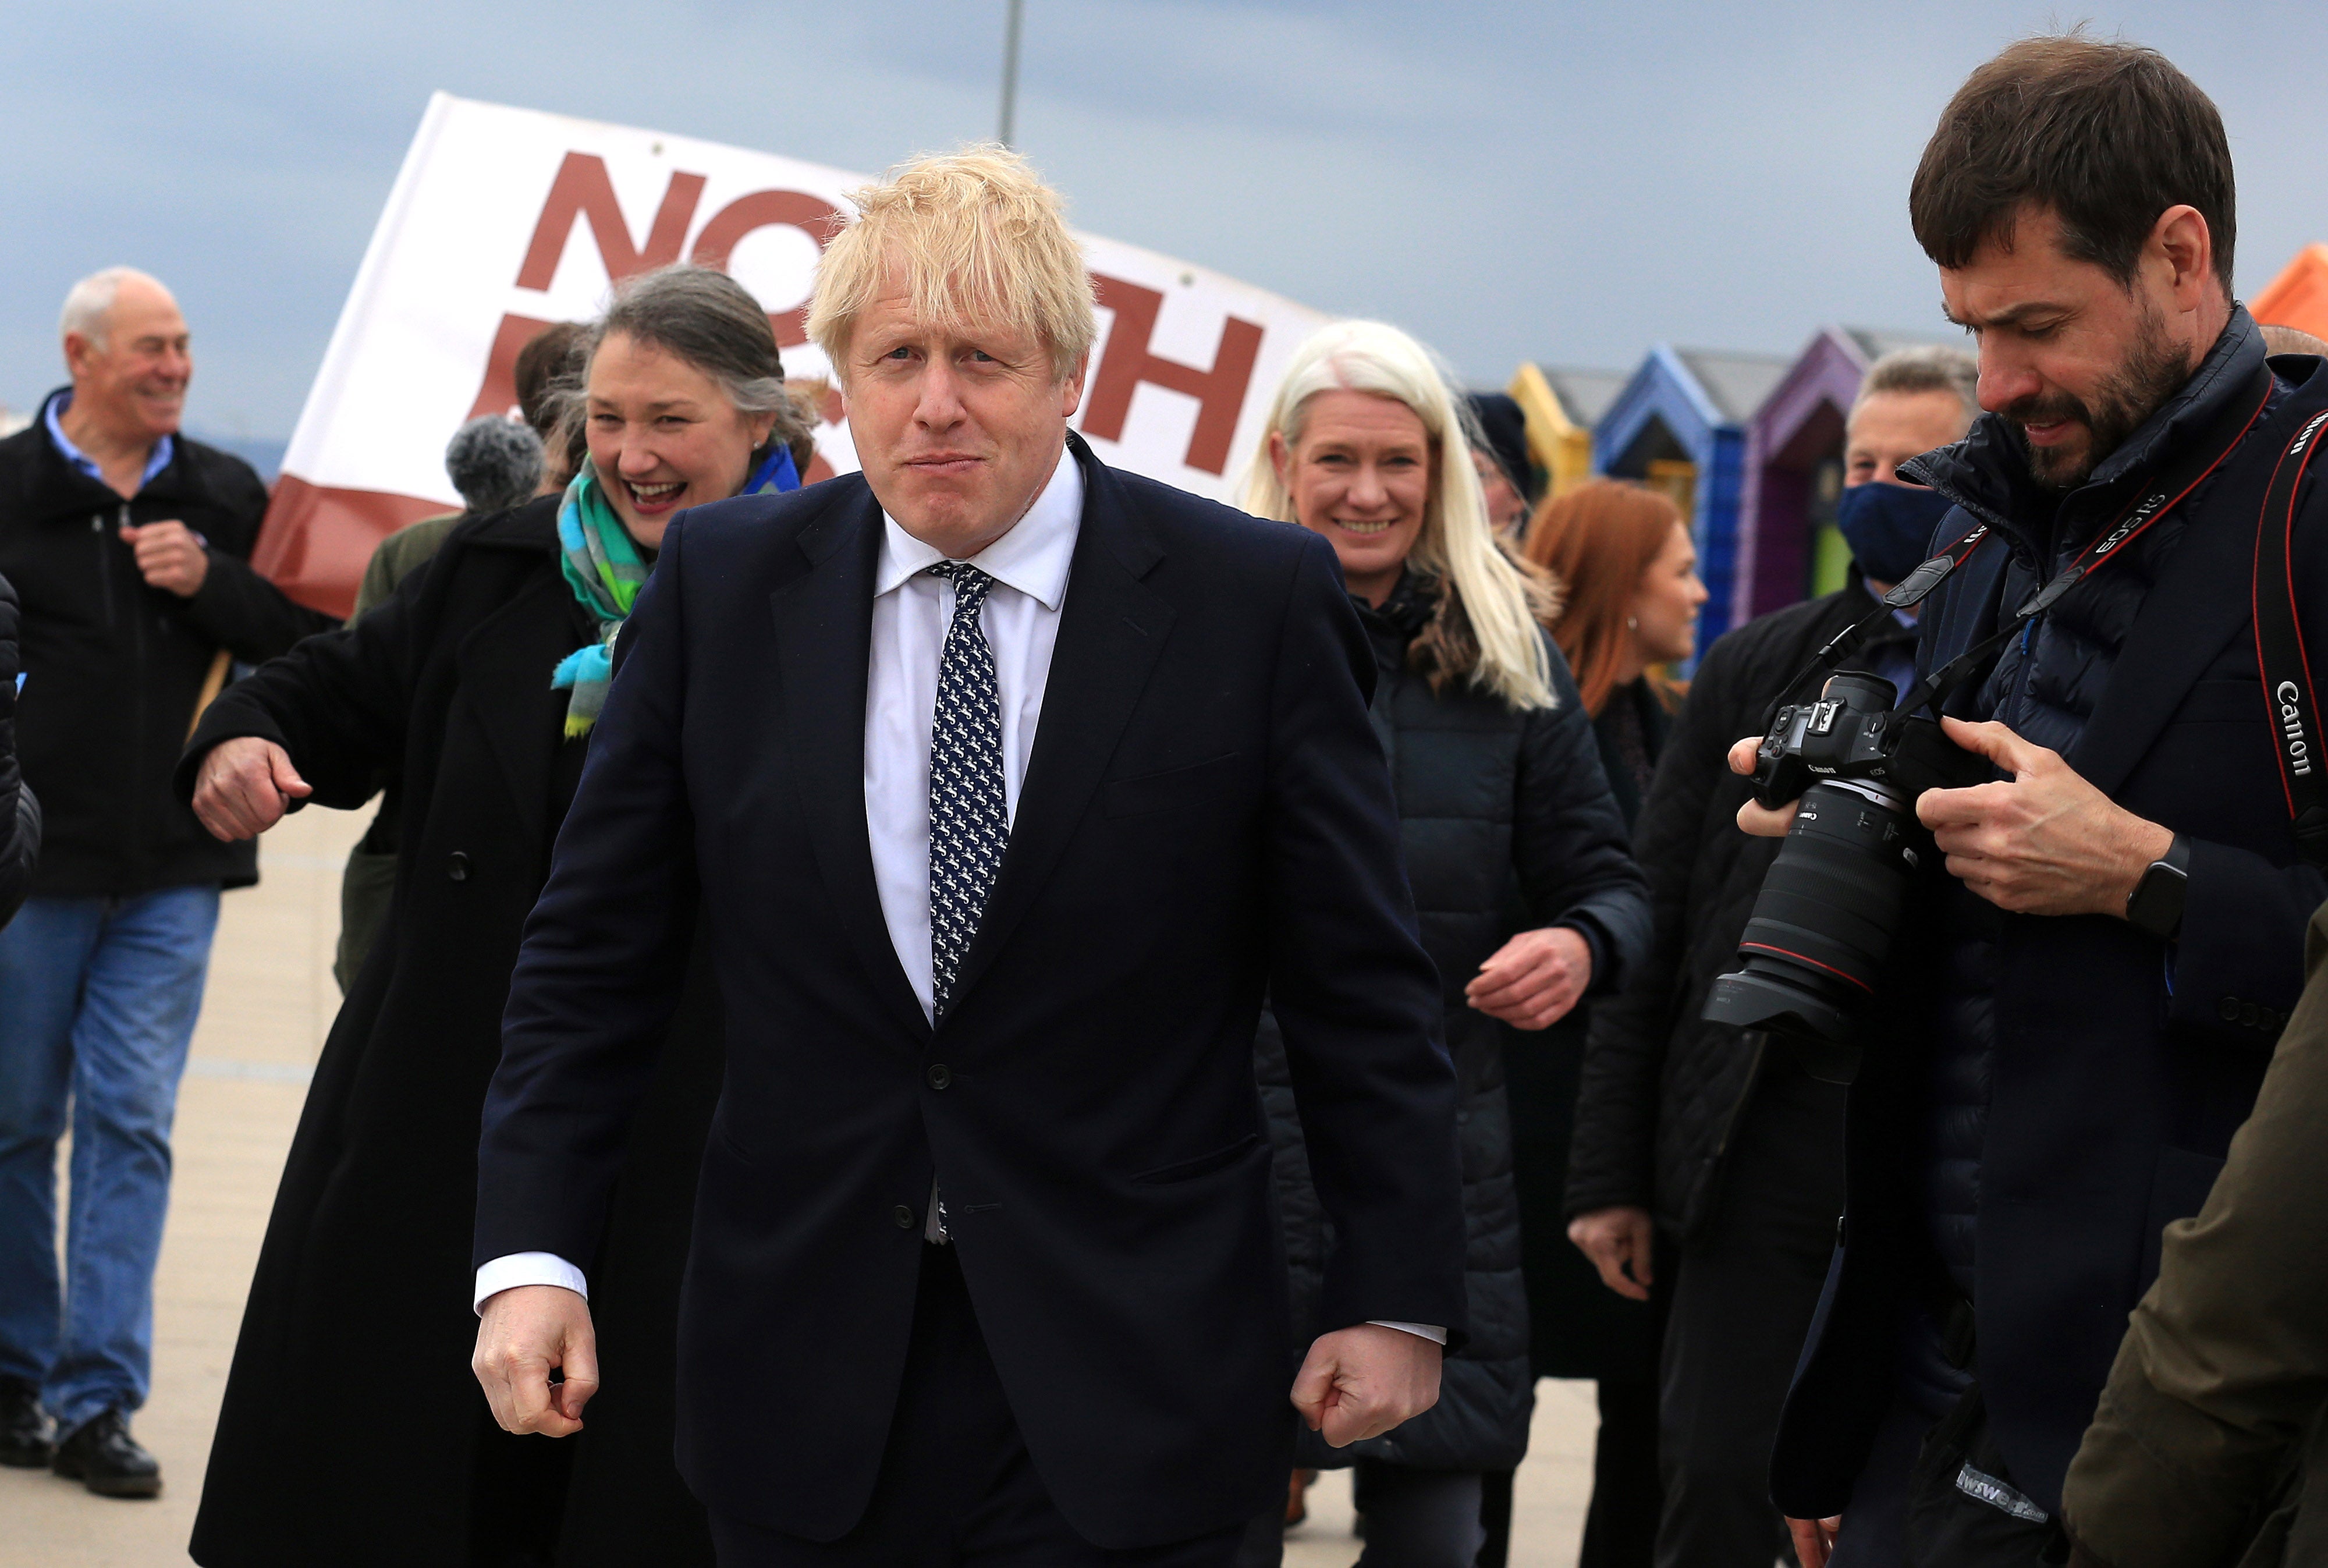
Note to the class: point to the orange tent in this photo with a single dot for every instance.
(2298, 297)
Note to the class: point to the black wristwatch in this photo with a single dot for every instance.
(2155, 904)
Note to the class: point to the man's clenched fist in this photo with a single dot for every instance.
(1362, 1381)
(244, 786)
(170, 557)
(523, 1334)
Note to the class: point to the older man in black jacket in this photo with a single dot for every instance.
(2081, 1009)
(129, 545)
(1717, 1136)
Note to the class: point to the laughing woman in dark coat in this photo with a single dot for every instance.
(351, 1432)
(1527, 898)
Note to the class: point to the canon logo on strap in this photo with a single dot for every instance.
(2291, 727)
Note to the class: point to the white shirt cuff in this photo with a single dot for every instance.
(514, 1269)
(1430, 1331)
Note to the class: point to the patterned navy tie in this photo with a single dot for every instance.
(970, 819)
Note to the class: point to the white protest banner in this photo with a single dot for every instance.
(503, 220)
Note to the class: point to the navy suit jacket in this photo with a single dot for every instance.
(2122, 1065)
(1207, 816)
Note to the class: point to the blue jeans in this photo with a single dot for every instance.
(98, 1003)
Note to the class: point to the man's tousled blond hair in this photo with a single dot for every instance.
(979, 239)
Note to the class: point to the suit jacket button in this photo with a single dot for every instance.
(457, 866)
(2228, 1010)
(2247, 1014)
(903, 1215)
(939, 1076)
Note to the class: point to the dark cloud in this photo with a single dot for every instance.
(1570, 181)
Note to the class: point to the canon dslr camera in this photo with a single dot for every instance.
(1823, 924)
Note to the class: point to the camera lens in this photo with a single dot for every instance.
(1823, 924)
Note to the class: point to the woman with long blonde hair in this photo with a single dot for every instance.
(1501, 800)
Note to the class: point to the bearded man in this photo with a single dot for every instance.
(2084, 1003)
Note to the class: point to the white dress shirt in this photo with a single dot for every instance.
(912, 611)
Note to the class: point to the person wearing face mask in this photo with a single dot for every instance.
(350, 1431)
(1514, 843)
(1707, 1163)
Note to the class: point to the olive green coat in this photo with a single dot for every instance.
(2209, 1446)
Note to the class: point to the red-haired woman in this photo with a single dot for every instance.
(1629, 575)
(1624, 558)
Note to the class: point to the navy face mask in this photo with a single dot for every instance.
(1889, 527)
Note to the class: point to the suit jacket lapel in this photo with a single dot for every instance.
(1111, 628)
(2200, 604)
(824, 618)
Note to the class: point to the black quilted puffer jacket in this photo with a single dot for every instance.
(20, 813)
(1661, 1088)
(1508, 824)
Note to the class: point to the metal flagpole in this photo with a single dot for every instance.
(1017, 9)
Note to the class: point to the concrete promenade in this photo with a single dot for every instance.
(270, 1001)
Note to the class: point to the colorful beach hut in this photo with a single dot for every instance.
(1561, 407)
(2298, 297)
(1787, 547)
(1679, 425)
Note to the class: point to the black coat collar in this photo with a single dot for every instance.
(58, 485)
(2194, 612)
(530, 525)
(1987, 471)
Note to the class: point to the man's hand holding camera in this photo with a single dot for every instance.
(2044, 842)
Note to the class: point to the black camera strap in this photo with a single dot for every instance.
(2280, 653)
(2159, 496)
(1854, 637)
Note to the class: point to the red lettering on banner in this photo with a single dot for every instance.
(1128, 362)
(583, 190)
(498, 395)
(812, 215)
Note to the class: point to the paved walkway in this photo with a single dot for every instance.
(271, 999)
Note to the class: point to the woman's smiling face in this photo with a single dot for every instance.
(1361, 474)
(665, 435)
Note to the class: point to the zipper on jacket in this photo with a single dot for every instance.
(104, 567)
(143, 830)
(136, 615)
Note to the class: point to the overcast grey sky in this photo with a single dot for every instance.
(1562, 181)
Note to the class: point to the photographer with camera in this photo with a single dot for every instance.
(1717, 1137)
(2062, 985)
